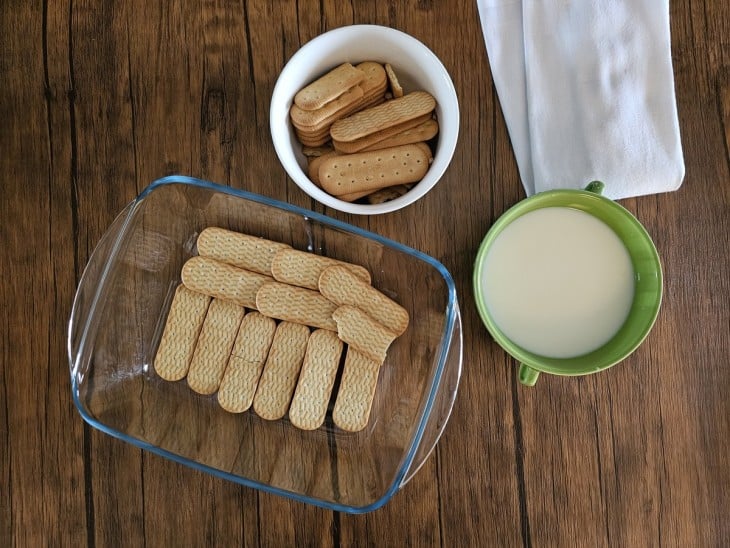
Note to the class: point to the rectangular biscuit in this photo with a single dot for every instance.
(281, 371)
(373, 170)
(342, 288)
(296, 304)
(390, 113)
(303, 269)
(355, 394)
(362, 332)
(313, 119)
(246, 362)
(223, 281)
(316, 380)
(328, 87)
(350, 147)
(237, 249)
(214, 346)
(321, 134)
(184, 320)
(422, 132)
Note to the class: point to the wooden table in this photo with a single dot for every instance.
(100, 98)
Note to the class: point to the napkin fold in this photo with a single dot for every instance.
(587, 91)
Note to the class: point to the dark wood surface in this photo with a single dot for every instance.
(100, 98)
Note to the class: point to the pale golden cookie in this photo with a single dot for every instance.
(355, 394)
(388, 114)
(223, 281)
(182, 327)
(296, 304)
(422, 132)
(350, 147)
(376, 169)
(362, 332)
(281, 371)
(316, 379)
(342, 288)
(247, 360)
(312, 119)
(241, 250)
(328, 87)
(303, 269)
(375, 81)
(214, 346)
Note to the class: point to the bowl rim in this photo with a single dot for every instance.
(442, 158)
(450, 318)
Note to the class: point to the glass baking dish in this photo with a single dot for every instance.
(119, 312)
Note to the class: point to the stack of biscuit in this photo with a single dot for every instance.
(263, 325)
(363, 141)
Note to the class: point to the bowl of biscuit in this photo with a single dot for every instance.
(265, 344)
(364, 119)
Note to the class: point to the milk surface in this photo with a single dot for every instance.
(558, 282)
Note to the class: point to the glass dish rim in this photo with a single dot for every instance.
(450, 319)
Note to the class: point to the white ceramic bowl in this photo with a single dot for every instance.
(417, 68)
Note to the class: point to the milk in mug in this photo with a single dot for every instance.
(558, 282)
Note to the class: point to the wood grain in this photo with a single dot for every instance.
(100, 98)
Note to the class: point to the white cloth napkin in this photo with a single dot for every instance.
(587, 90)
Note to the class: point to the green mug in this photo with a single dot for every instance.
(647, 274)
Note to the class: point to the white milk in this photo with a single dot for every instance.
(558, 282)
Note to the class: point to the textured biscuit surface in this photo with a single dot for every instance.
(355, 394)
(281, 371)
(312, 119)
(424, 131)
(388, 114)
(375, 80)
(223, 281)
(342, 288)
(296, 304)
(321, 132)
(182, 327)
(328, 87)
(247, 360)
(303, 269)
(237, 249)
(376, 169)
(349, 147)
(316, 379)
(214, 346)
(363, 333)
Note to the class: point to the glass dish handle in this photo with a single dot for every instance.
(89, 290)
(443, 402)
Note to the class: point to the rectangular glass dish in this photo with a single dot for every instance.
(119, 312)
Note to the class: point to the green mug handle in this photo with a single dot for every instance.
(595, 186)
(528, 375)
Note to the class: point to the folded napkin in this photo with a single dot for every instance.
(587, 91)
